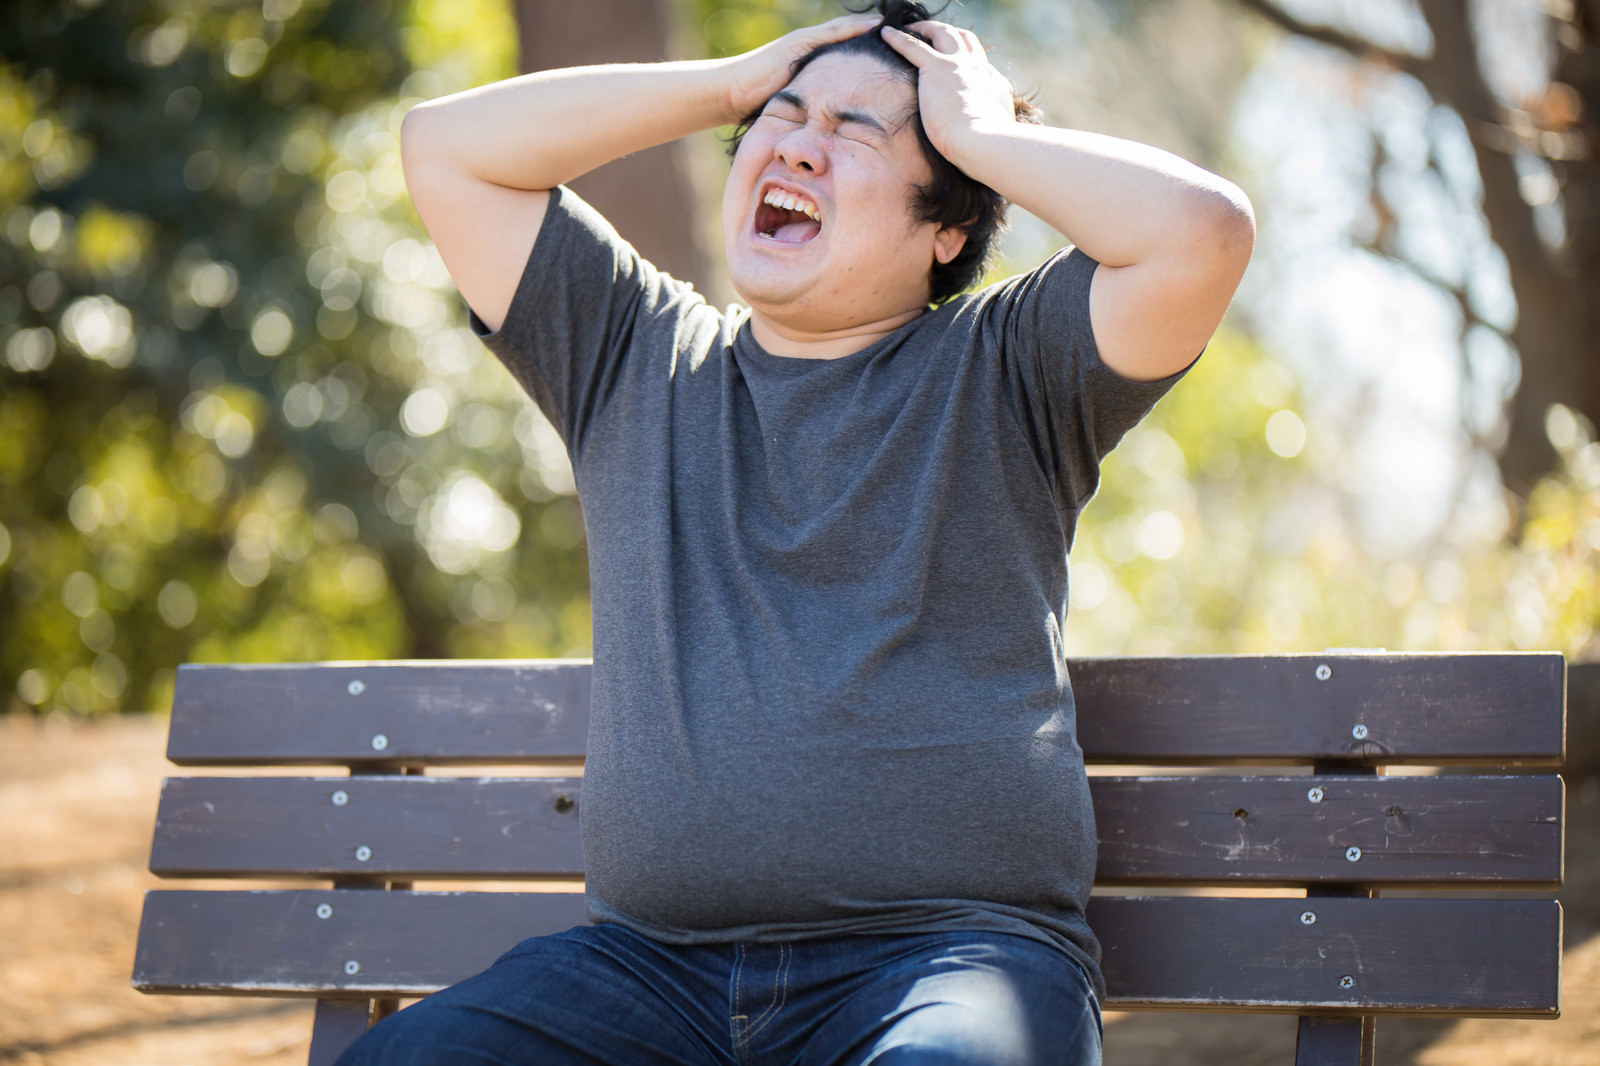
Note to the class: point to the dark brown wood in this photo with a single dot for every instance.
(1334, 1042)
(1335, 958)
(1408, 956)
(1499, 709)
(326, 942)
(395, 828)
(1415, 831)
(1417, 956)
(337, 1025)
(1583, 721)
(365, 713)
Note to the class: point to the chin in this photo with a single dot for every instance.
(761, 285)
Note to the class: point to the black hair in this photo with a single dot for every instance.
(949, 198)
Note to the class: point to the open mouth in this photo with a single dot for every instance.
(787, 217)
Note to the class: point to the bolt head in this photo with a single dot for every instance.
(340, 798)
(1324, 672)
(352, 967)
(1347, 981)
(324, 910)
(1359, 732)
(1352, 854)
(1314, 795)
(1308, 917)
(363, 853)
(356, 688)
(380, 742)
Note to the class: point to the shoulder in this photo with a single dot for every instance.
(1046, 308)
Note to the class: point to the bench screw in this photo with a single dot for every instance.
(1314, 795)
(380, 742)
(340, 798)
(1323, 673)
(1308, 917)
(1352, 854)
(363, 853)
(324, 911)
(353, 967)
(356, 688)
(1359, 732)
(1347, 981)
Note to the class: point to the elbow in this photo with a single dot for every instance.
(414, 129)
(421, 133)
(1227, 230)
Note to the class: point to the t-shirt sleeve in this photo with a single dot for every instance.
(1076, 407)
(582, 294)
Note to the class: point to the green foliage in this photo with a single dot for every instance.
(1223, 526)
(729, 27)
(240, 414)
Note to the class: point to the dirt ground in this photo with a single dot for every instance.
(77, 803)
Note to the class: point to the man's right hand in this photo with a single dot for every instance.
(760, 72)
(479, 164)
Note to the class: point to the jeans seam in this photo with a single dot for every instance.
(780, 993)
(738, 1021)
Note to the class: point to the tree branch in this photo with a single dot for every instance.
(1352, 44)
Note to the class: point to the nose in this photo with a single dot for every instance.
(802, 149)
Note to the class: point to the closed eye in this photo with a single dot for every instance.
(857, 126)
(861, 133)
(785, 107)
(861, 126)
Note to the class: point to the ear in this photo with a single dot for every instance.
(948, 242)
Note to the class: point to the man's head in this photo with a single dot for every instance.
(942, 197)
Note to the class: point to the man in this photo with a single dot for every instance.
(834, 809)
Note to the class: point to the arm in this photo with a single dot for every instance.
(480, 164)
(1172, 240)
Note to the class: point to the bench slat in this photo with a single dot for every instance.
(1412, 831)
(1403, 955)
(1293, 831)
(1500, 709)
(399, 828)
(428, 712)
(1458, 956)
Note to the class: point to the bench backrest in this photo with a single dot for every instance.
(1314, 812)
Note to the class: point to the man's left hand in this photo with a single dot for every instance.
(958, 89)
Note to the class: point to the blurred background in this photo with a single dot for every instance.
(241, 416)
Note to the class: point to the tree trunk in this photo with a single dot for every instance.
(647, 196)
(1557, 335)
(1558, 313)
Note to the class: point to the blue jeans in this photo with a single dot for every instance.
(600, 994)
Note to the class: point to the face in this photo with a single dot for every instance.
(816, 216)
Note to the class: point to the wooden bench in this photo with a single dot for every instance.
(1314, 813)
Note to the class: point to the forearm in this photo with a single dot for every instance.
(1121, 202)
(540, 130)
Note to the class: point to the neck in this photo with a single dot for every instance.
(794, 341)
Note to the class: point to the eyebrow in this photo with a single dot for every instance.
(788, 96)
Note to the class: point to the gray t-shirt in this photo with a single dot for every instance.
(829, 688)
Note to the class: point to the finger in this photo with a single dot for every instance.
(917, 52)
(947, 38)
(841, 29)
